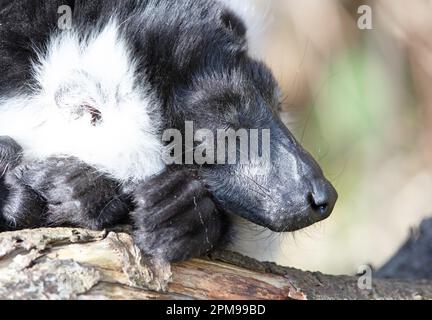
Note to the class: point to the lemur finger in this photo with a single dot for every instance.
(92, 203)
(77, 195)
(169, 207)
(10, 154)
(183, 220)
(181, 199)
(114, 212)
(100, 215)
(160, 187)
(23, 207)
(198, 214)
(174, 244)
(43, 175)
(195, 245)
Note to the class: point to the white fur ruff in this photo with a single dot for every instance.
(95, 70)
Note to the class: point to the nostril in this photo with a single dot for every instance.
(322, 199)
(318, 205)
(322, 208)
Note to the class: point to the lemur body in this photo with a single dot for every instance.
(82, 111)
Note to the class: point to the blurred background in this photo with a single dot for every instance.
(360, 100)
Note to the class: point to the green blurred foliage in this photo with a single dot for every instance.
(347, 119)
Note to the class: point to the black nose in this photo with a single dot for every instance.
(322, 199)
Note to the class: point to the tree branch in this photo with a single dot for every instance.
(67, 263)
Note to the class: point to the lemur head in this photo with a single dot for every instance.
(220, 86)
(192, 59)
(167, 63)
(282, 187)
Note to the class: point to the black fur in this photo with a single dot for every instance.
(59, 192)
(173, 214)
(193, 53)
(10, 154)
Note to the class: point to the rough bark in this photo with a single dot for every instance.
(80, 264)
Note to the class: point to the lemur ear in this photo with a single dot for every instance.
(233, 24)
(80, 95)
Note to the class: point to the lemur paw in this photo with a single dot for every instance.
(10, 154)
(20, 207)
(75, 193)
(175, 219)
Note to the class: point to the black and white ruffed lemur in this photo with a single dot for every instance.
(82, 110)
